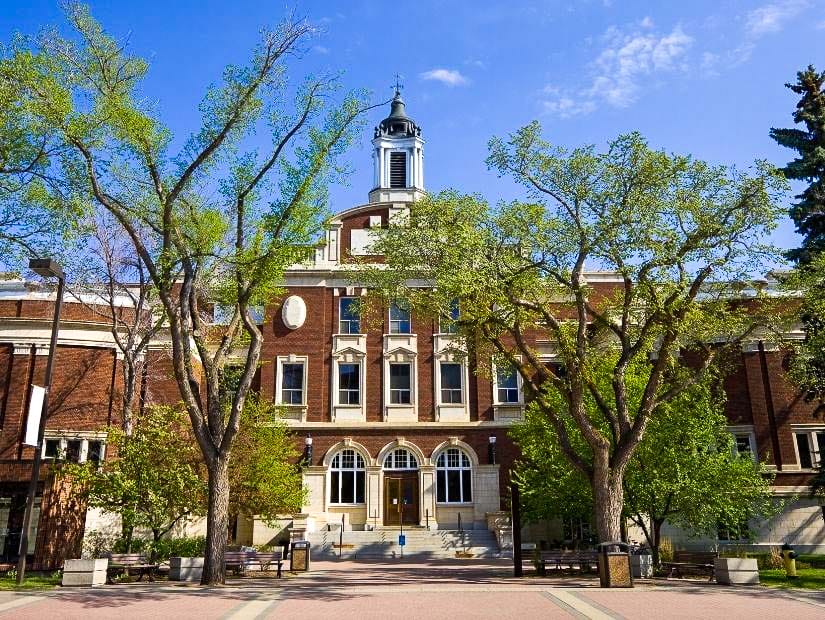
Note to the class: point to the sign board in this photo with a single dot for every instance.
(402, 540)
(35, 410)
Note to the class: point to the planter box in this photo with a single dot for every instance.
(185, 569)
(736, 571)
(86, 573)
(641, 566)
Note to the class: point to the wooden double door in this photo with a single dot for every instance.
(401, 498)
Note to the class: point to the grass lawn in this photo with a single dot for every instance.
(809, 578)
(32, 582)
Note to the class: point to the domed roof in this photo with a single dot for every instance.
(397, 124)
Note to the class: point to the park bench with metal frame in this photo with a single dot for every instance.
(557, 558)
(691, 562)
(127, 562)
(237, 561)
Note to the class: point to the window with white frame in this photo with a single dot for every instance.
(810, 447)
(454, 476)
(451, 383)
(400, 459)
(447, 324)
(507, 386)
(292, 383)
(349, 315)
(400, 318)
(347, 475)
(349, 384)
(74, 449)
(400, 384)
(743, 444)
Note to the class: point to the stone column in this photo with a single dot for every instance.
(427, 495)
(375, 496)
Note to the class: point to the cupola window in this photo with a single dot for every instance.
(398, 169)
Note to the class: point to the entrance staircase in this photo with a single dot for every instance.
(420, 544)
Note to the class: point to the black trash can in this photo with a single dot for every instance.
(299, 556)
(614, 565)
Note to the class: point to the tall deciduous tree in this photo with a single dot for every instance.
(672, 229)
(685, 471)
(219, 220)
(809, 212)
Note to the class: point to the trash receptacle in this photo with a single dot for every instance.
(614, 565)
(299, 556)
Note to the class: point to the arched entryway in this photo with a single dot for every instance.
(401, 488)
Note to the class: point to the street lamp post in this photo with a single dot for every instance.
(47, 268)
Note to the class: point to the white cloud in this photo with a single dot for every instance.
(772, 17)
(320, 49)
(646, 22)
(450, 77)
(620, 70)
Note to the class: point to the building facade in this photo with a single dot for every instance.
(396, 429)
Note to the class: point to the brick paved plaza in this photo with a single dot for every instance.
(482, 589)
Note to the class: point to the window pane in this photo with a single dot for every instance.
(453, 485)
(450, 376)
(507, 383)
(292, 384)
(334, 495)
(52, 448)
(347, 487)
(441, 486)
(73, 450)
(349, 384)
(350, 320)
(95, 453)
(466, 486)
(399, 318)
(400, 383)
(804, 451)
(359, 486)
(820, 443)
(743, 444)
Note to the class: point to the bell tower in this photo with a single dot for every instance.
(398, 156)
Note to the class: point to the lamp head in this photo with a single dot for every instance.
(46, 267)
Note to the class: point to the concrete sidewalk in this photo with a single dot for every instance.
(433, 590)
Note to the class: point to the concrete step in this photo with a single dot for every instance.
(420, 543)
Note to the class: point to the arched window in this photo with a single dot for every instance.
(400, 458)
(453, 477)
(347, 478)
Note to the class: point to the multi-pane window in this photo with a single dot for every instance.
(349, 316)
(52, 450)
(448, 322)
(94, 452)
(451, 392)
(507, 385)
(400, 382)
(400, 318)
(743, 444)
(810, 445)
(73, 449)
(453, 477)
(292, 384)
(347, 478)
(400, 458)
(349, 384)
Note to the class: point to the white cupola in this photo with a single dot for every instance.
(398, 156)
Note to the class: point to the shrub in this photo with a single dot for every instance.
(167, 548)
(665, 550)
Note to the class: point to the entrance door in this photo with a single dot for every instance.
(401, 498)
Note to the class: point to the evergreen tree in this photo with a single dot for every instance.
(809, 212)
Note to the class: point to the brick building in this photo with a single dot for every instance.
(396, 427)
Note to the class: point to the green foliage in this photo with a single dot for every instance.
(264, 470)
(807, 368)
(809, 166)
(155, 480)
(685, 470)
(162, 549)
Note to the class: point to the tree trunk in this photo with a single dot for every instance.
(128, 401)
(608, 503)
(217, 523)
(126, 532)
(657, 541)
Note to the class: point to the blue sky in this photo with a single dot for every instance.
(699, 77)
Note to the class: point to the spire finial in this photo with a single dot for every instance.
(398, 86)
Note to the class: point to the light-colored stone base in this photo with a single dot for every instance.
(86, 573)
(736, 571)
(185, 569)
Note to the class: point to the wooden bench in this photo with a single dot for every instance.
(124, 563)
(237, 561)
(691, 562)
(585, 560)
